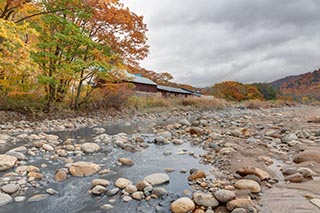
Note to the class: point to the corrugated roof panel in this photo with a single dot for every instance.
(139, 79)
(173, 89)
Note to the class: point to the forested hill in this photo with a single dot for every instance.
(304, 85)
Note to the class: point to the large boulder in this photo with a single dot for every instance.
(82, 168)
(182, 205)
(157, 179)
(7, 162)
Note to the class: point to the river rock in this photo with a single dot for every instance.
(98, 190)
(288, 138)
(21, 149)
(47, 147)
(205, 199)
(157, 179)
(82, 168)
(160, 191)
(196, 131)
(90, 147)
(131, 189)
(306, 172)
(309, 155)
(19, 199)
(122, 183)
(253, 171)
(184, 122)
(126, 198)
(5, 199)
(113, 191)
(240, 203)
(60, 176)
(142, 184)
(51, 191)
(38, 197)
(7, 162)
(102, 182)
(252, 185)
(196, 175)
(35, 175)
(295, 178)
(98, 130)
(18, 155)
(126, 161)
(224, 195)
(267, 160)
(182, 205)
(10, 188)
(51, 138)
(239, 210)
(137, 195)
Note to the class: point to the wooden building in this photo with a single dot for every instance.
(173, 91)
(142, 84)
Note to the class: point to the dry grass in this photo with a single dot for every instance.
(147, 103)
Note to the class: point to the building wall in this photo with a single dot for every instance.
(145, 88)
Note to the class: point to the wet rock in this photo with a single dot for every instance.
(90, 147)
(289, 171)
(62, 153)
(21, 149)
(196, 131)
(52, 138)
(295, 178)
(122, 183)
(240, 203)
(60, 176)
(102, 182)
(157, 179)
(131, 189)
(18, 155)
(205, 199)
(142, 184)
(51, 191)
(253, 186)
(7, 162)
(5, 199)
(126, 161)
(126, 198)
(182, 205)
(69, 147)
(19, 199)
(35, 175)
(113, 191)
(224, 195)
(309, 155)
(47, 147)
(137, 195)
(10, 188)
(82, 168)
(98, 190)
(38, 197)
(196, 175)
(106, 206)
(159, 191)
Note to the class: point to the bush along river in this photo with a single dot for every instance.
(236, 160)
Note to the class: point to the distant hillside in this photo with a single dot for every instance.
(300, 86)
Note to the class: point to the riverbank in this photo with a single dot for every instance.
(251, 160)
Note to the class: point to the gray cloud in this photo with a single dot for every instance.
(203, 42)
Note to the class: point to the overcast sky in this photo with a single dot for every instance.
(202, 42)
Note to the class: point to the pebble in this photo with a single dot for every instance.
(157, 179)
(10, 188)
(182, 205)
(224, 195)
(252, 185)
(205, 199)
(122, 183)
(5, 199)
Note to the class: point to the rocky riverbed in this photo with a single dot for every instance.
(232, 160)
